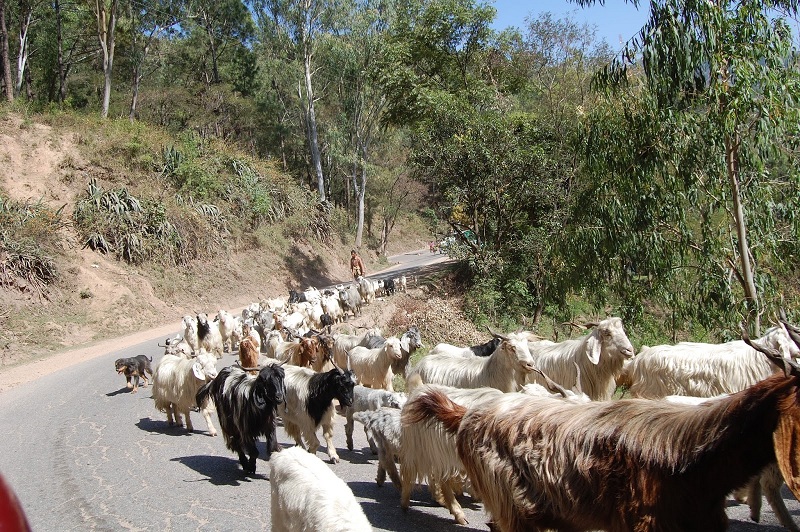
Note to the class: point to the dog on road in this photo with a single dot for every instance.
(133, 368)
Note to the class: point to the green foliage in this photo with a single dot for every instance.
(703, 123)
(134, 230)
(26, 231)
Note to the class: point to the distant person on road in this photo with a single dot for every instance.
(432, 245)
(356, 264)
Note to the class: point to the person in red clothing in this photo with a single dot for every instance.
(356, 264)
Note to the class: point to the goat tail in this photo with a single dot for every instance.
(434, 405)
(202, 394)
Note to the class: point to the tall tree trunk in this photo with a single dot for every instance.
(62, 70)
(745, 262)
(313, 139)
(25, 14)
(134, 93)
(4, 54)
(106, 24)
(360, 206)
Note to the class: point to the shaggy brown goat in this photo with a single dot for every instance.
(626, 465)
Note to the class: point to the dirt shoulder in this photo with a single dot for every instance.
(439, 318)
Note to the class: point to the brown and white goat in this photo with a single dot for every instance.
(248, 355)
(627, 465)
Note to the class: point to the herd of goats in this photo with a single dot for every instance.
(526, 425)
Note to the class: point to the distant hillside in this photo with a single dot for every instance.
(186, 225)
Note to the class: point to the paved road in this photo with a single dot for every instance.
(82, 453)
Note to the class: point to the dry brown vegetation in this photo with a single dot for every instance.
(97, 296)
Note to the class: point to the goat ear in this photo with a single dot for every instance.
(593, 348)
(197, 369)
(786, 439)
(405, 343)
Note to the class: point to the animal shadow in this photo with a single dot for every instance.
(219, 470)
(160, 426)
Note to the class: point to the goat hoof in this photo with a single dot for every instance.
(461, 521)
(334, 459)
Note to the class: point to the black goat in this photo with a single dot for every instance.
(389, 287)
(297, 297)
(246, 407)
(484, 350)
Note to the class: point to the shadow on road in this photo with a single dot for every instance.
(124, 389)
(161, 426)
(383, 509)
(219, 470)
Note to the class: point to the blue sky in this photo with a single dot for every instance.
(615, 20)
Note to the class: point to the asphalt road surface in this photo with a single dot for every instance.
(83, 453)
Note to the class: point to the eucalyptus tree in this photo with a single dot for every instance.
(435, 49)
(300, 26)
(225, 24)
(691, 157)
(106, 16)
(148, 20)
(360, 102)
(5, 54)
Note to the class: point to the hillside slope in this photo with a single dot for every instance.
(97, 296)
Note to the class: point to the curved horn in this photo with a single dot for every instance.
(552, 385)
(496, 334)
(794, 332)
(789, 367)
(165, 345)
(578, 378)
(591, 324)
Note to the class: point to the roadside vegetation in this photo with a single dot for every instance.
(656, 181)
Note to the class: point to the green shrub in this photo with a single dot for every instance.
(26, 231)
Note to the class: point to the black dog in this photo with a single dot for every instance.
(133, 368)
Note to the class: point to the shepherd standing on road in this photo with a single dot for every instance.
(356, 264)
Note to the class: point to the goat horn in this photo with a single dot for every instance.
(552, 385)
(578, 378)
(788, 366)
(794, 332)
(590, 324)
(159, 345)
(497, 334)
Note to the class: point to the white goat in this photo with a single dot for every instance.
(598, 358)
(400, 283)
(331, 306)
(343, 343)
(367, 288)
(383, 427)
(275, 345)
(307, 496)
(176, 381)
(177, 346)
(428, 452)
(309, 404)
(705, 370)
(365, 399)
(209, 336)
(190, 332)
(694, 373)
(373, 367)
(227, 324)
(505, 369)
